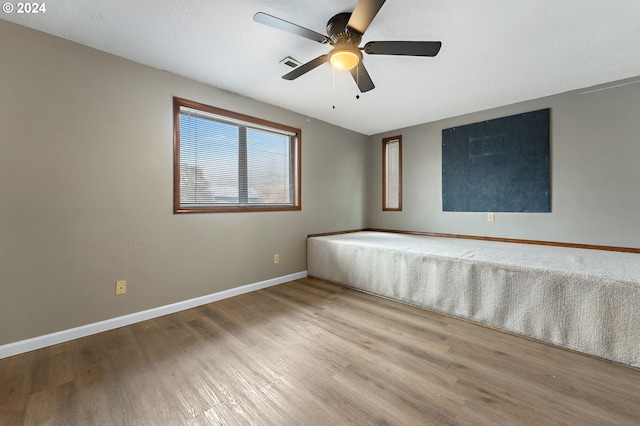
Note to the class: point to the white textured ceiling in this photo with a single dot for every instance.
(495, 52)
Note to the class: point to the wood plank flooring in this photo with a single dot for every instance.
(312, 353)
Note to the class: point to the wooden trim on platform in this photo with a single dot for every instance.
(326, 234)
(483, 238)
(512, 240)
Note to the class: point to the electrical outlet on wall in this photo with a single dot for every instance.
(491, 217)
(276, 259)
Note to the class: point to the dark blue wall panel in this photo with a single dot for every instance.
(499, 165)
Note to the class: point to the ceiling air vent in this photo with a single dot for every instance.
(290, 62)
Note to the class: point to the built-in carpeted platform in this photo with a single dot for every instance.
(585, 300)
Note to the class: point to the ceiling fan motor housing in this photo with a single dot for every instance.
(338, 32)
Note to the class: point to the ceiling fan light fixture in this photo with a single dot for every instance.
(345, 59)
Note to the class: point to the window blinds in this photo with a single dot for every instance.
(224, 161)
(392, 166)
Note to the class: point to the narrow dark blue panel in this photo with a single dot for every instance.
(499, 165)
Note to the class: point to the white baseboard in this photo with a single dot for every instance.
(27, 345)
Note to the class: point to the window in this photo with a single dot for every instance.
(230, 162)
(392, 173)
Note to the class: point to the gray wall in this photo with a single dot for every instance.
(86, 193)
(595, 149)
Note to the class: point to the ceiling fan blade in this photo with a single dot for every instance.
(283, 25)
(363, 14)
(408, 48)
(362, 78)
(305, 68)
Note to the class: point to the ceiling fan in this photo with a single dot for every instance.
(345, 31)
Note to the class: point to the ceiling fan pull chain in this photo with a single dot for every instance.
(357, 82)
(333, 89)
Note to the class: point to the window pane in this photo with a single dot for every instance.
(268, 167)
(392, 173)
(208, 161)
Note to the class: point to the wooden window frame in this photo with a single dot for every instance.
(385, 187)
(296, 164)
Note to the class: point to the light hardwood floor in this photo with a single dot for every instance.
(309, 352)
